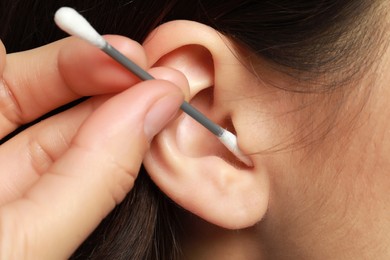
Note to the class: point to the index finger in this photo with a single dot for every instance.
(37, 81)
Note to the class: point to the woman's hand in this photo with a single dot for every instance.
(62, 176)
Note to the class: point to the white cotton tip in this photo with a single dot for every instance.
(230, 141)
(73, 23)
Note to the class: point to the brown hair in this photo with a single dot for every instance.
(298, 37)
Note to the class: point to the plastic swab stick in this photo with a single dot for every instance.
(70, 21)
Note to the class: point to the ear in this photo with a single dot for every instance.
(186, 161)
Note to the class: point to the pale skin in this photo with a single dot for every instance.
(327, 201)
(60, 177)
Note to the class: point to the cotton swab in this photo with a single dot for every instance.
(73, 23)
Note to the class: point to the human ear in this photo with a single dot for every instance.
(186, 161)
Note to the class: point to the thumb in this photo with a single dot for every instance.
(85, 184)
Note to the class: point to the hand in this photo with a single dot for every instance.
(62, 176)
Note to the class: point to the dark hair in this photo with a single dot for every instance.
(302, 38)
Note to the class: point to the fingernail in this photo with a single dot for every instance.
(161, 113)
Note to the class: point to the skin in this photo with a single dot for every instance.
(328, 199)
(53, 192)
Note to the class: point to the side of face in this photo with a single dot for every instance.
(319, 158)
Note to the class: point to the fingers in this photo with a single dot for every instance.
(99, 168)
(37, 81)
(89, 71)
(28, 155)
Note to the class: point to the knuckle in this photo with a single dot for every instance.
(117, 177)
(9, 106)
(40, 157)
(123, 178)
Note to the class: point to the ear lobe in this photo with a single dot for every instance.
(187, 162)
(206, 184)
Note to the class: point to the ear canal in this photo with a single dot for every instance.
(190, 132)
(196, 63)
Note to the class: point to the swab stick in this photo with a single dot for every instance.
(70, 21)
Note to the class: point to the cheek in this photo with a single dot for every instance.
(265, 123)
(278, 128)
